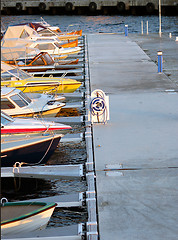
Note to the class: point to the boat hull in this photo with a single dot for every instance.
(37, 219)
(44, 86)
(47, 113)
(70, 44)
(29, 152)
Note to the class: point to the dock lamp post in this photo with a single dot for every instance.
(160, 18)
(160, 61)
(126, 30)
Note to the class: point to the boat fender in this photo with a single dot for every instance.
(69, 7)
(121, 6)
(150, 7)
(92, 7)
(42, 6)
(19, 7)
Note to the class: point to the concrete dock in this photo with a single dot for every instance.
(135, 153)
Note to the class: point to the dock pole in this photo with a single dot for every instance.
(147, 27)
(160, 33)
(126, 30)
(142, 27)
(160, 62)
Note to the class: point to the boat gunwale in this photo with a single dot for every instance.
(46, 206)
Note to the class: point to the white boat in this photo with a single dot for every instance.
(19, 51)
(72, 29)
(23, 217)
(33, 46)
(53, 47)
(25, 31)
(18, 104)
(10, 125)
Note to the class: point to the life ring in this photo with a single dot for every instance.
(92, 7)
(150, 7)
(69, 7)
(19, 7)
(42, 6)
(121, 6)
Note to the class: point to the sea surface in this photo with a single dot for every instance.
(101, 23)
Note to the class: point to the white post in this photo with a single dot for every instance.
(142, 27)
(147, 27)
(160, 18)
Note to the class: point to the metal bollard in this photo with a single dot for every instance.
(160, 62)
(147, 27)
(126, 30)
(142, 27)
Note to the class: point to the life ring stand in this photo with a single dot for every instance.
(92, 7)
(19, 7)
(42, 6)
(121, 6)
(69, 7)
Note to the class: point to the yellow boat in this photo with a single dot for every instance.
(15, 77)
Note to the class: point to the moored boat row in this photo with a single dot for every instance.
(27, 138)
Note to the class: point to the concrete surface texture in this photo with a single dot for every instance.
(136, 151)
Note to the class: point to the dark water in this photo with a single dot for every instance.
(93, 24)
(24, 189)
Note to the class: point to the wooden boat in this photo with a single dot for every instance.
(41, 62)
(29, 140)
(18, 104)
(10, 125)
(15, 77)
(28, 148)
(27, 56)
(23, 217)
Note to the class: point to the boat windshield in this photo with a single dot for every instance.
(17, 73)
(38, 61)
(20, 100)
(46, 32)
(5, 119)
(48, 58)
(24, 96)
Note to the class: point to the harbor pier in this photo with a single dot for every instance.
(71, 6)
(135, 152)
